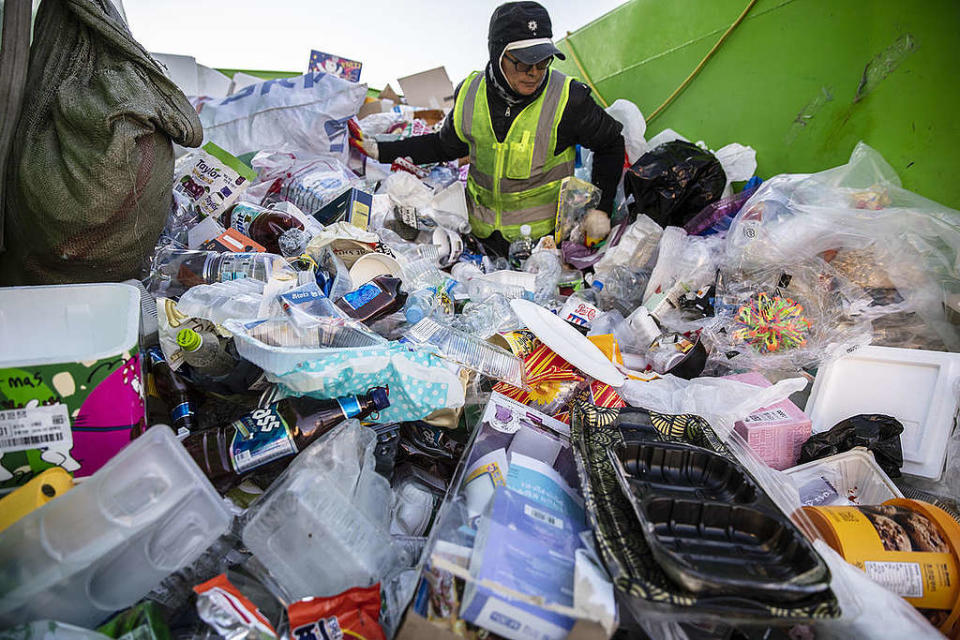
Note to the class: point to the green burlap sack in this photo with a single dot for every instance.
(89, 177)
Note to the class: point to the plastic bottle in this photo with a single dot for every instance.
(488, 317)
(375, 299)
(623, 288)
(260, 224)
(581, 308)
(547, 266)
(419, 306)
(174, 392)
(176, 270)
(293, 242)
(521, 248)
(284, 428)
(204, 353)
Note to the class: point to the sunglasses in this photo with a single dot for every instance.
(523, 67)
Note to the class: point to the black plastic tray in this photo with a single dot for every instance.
(711, 527)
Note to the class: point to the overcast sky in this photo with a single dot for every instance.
(393, 38)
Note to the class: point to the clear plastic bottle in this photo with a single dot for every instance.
(204, 352)
(419, 305)
(488, 317)
(293, 242)
(521, 248)
(547, 266)
(176, 270)
(623, 288)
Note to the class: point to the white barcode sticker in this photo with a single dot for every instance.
(35, 428)
(903, 578)
(543, 516)
(774, 415)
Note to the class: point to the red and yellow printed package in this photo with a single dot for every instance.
(355, 614)
(221, 605)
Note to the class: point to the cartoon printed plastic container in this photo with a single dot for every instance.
(71, 388)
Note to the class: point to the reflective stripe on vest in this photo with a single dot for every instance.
(517, 181)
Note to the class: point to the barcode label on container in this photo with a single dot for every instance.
(773, 415)
(543, 516)
(903, 578)
(35, 428)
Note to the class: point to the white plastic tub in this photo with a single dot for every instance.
(919, 388)
(70, 377)
(849, 478)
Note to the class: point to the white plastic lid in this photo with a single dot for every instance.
(524, 229)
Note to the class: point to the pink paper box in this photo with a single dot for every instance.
(775, 433)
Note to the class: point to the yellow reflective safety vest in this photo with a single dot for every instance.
(517, 181)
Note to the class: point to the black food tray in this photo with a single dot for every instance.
(711, 527)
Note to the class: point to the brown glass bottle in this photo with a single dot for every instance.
(284, 428)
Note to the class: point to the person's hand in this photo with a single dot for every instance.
(364, 145)
(596, 227)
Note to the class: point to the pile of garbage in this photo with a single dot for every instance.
(328, 410)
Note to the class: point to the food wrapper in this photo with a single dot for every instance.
(230, 613)
(354, 614)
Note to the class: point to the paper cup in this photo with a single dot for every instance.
(371, 265)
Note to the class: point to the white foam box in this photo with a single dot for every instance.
(919, 388)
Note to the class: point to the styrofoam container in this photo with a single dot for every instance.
(69, 362)
(370, 265)
(106, 543)
(919, 388)
(849, 478)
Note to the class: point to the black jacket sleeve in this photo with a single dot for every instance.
(432, 147)
(584, 122)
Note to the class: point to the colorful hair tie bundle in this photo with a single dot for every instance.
(771, 324)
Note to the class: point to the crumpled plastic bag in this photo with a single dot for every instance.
(901, 248)
(720, 401)
(634, 127)
(419, 381)
(877, 432)
(673, 182)
(312, 109)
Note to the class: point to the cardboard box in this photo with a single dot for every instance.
(430, 89)
(351, 206)
(775, 433)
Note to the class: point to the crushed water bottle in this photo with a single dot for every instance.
(488, 317)
(547, 265)
(223, 300)
(622, 288)
(521, 248)
(468, 350)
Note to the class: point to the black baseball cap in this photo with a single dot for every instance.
(519, 22)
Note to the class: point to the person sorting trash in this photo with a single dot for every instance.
(519, 122)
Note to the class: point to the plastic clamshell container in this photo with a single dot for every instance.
(106, 543)
(72, 347)
(846, 479)
(712, 529)
(314, 528)
(919, 388)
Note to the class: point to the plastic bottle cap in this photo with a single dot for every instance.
(596, 284)
(380, 397)
(189, 339)
(414, 315)
(524, 229)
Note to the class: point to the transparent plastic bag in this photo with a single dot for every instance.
(903, 249)
(576, 198)
(798, 315)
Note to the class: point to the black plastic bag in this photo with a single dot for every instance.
(674, 182)
(878, 433)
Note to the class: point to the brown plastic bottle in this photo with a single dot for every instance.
(284, 428)
(371, 301)
(261, 225)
